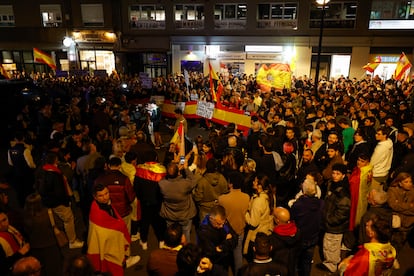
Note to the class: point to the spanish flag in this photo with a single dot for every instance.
(179, 140)
(403, 65)
(4, 72)
(108, 241)
(213, 76)
(42, 57)
(370, 67)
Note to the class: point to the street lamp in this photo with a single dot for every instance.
(318, 58)
(71, 46)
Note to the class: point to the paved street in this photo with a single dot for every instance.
(405, 257)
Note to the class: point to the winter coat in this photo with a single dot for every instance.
(258, 217)
(337, 207)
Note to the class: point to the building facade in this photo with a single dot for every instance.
(161, 37)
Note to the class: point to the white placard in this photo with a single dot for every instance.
(205, 109)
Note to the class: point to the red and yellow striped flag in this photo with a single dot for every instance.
(370, 67)
(213, 76)
(42, 57)
(4, 72)
(403, 65)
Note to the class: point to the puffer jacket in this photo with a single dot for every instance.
(120, 190)
(337, 207)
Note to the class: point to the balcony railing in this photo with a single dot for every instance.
(189, 24)
(148, 25)
(277, 23)
(230, 24)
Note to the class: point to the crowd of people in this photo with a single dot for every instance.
(325, 166)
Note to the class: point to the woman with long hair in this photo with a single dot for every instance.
(259, 215)
(401, 201)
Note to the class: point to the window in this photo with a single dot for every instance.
(337, 15)
(392, 14)
(277, 15)
(230, 16)
(92, 15)
(51, 15)
(189, 16)
(147, 16)
(6, 16)
(277, 11)
(230, 11)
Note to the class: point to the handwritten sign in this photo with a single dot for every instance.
(205, 109)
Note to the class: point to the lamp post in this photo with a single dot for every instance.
(318, 58)
(71, 46)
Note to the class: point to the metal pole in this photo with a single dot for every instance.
(318, 58)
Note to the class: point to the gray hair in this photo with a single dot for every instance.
(309, 187)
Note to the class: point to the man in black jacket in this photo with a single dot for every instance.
(262, 264)
(336, 217)
(216, 237)
(55, 192)
(286, 240)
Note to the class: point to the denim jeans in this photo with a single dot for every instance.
(186, 226)
(238, 254)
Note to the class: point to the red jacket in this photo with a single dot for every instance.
(120, 190)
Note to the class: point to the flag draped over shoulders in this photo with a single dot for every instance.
(372, 259)
(151, 171)
(108, 240)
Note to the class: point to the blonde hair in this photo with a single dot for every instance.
(250, 165)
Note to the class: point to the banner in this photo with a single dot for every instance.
(221, 115)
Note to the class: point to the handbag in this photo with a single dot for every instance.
(60, 236)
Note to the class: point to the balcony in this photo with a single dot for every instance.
(147, 25)
(189, 24)
(277, 24)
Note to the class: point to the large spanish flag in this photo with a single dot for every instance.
(403, 65)
(42, 57)
(108, 241)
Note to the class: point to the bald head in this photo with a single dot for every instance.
(281, 215)
(27, 266)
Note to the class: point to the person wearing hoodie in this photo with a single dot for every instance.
(286, 239)
(375, 257)
(209, 188)
(307, 213)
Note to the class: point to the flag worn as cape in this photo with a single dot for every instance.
(42, 57)
(372, 259)
(108, 241)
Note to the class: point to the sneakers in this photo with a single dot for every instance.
(135, 237)
(144, 245)
(132, 260)
(76, 244)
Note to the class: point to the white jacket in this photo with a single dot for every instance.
(381, 158)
